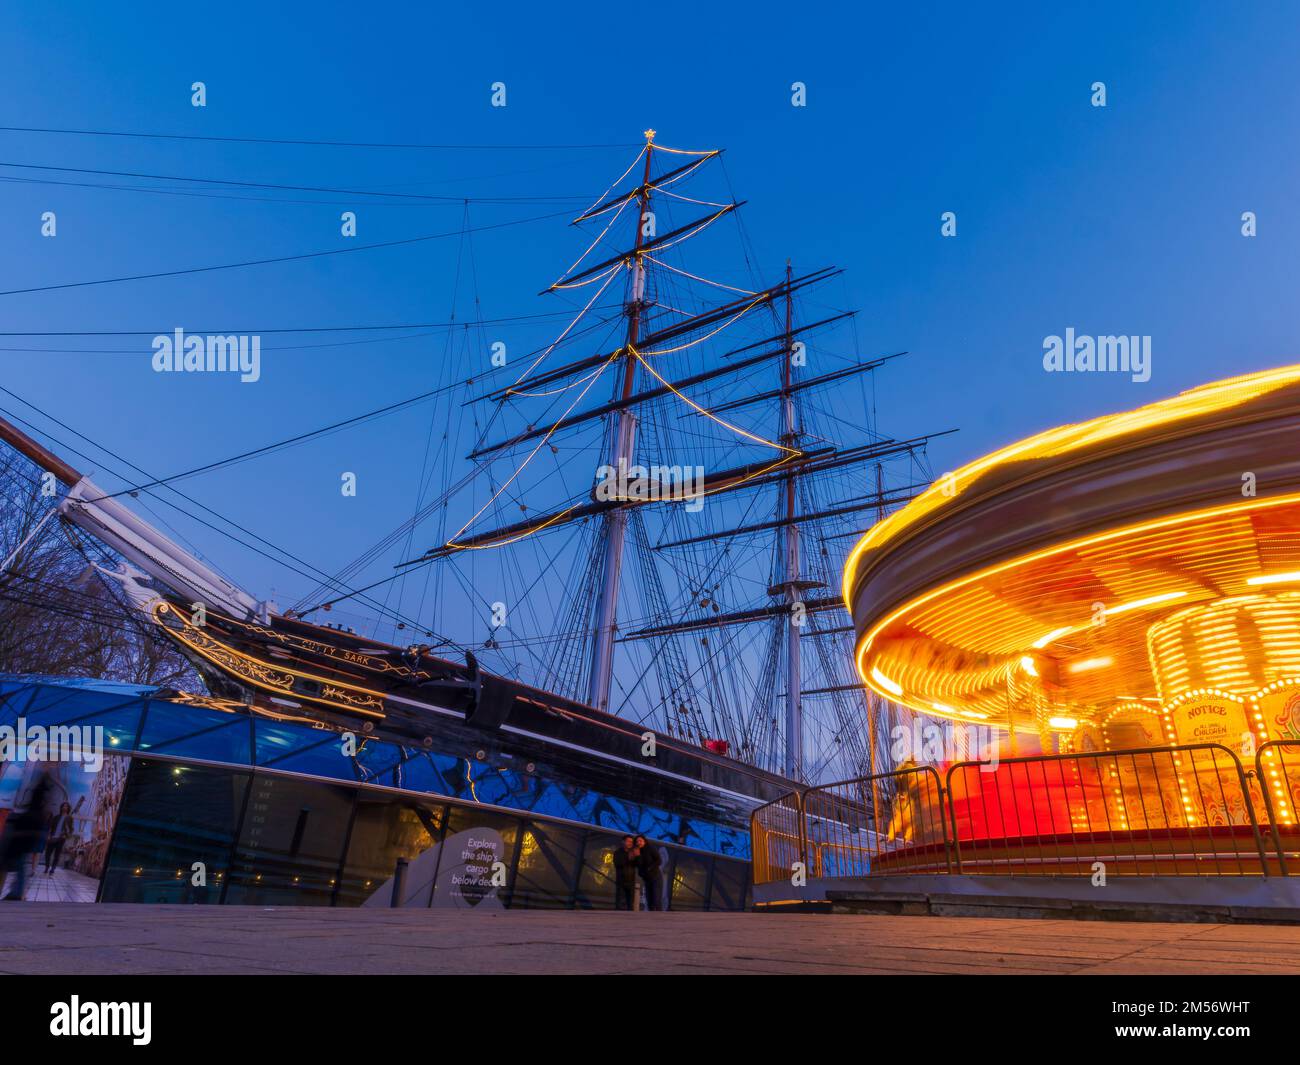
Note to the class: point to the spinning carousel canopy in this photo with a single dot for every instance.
(1145, 558)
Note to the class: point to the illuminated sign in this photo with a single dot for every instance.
(1210, 718)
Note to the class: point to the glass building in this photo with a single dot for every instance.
(199, 800)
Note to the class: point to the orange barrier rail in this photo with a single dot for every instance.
(1168, 811)
(892, 820)
(1172, 811)
(777, 839)
(1277, 767)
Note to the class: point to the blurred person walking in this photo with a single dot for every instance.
(61, 827)
(22, 833)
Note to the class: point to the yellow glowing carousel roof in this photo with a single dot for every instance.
(1025, 583)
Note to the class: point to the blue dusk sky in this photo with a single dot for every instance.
(1123, 219)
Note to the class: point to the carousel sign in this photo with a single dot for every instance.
(1210, 718)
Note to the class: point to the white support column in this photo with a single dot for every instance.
(602, 658)
(602, 655)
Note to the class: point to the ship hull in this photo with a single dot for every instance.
(497, 728)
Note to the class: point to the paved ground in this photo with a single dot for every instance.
(109, 939)
(62, 885)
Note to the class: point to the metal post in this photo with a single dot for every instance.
(794, 666)
(874, 705)
(602, 657)
(1268, 799)
(602, 660)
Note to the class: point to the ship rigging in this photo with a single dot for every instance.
(700, 363)
(709, 617)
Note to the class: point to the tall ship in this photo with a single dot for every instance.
(666, 490)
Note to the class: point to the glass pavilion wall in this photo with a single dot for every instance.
(271, 813)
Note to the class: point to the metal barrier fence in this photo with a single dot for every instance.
(1277, 767)
(854, 825)
(776, 837)
(1169, 811)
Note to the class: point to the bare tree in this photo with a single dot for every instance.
(59, 615)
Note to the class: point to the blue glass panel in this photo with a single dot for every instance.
(658, 824)
(474, 782)
(84, 684)
(706, 832)
(376, 760)
(488, 785)
(582, 802)
(427, 771)
(276, 739)
(121, 723)
(14, 700)
(52, 704)
(570, 791)
(200, 732)
(616, 814)
(733, 842)
(324, 758)
(554, 802)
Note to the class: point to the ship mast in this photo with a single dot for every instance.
(790, 570)
(624, 442)
(631, 414)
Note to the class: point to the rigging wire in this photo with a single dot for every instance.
(631, 166)
(794, 452)
(277, 259)
(314, 143)
(316, 574)
(418, 196)
(590, 247)
(552, 346)
(284, 329)
(694, 277)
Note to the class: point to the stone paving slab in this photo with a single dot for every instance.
(120, 939)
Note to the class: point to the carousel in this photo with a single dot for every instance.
(1118, 601)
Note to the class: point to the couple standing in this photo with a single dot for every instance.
(637, 857)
